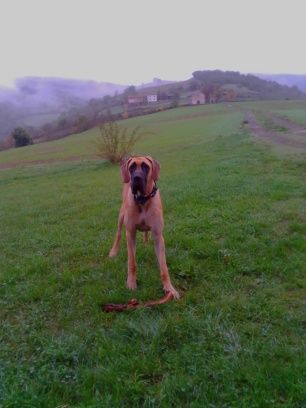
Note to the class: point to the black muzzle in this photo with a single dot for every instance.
(139, 183)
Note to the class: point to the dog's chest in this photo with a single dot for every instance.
(142, 220)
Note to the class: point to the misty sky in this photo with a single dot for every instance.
(132, 41)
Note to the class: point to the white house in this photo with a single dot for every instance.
(151, 98)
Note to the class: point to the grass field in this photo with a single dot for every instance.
(235, 238)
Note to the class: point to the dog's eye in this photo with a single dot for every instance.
(145, 168)
(133, 167)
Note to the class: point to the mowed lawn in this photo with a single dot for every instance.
(235, 238)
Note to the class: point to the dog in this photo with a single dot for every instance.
(142, 210)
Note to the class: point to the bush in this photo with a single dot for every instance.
(21, 137)
(115, 141)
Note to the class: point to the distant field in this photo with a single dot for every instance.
(173, 123)
(40, 119)
(235, 236)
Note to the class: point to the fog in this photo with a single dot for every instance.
(41, 96)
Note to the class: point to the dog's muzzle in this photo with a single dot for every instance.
(138, 184)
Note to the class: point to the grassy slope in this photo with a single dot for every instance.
(236, 250)
(81, 146)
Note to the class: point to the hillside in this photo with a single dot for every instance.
(53, 107)
(248, 87)
(287, 79)
(245, 86)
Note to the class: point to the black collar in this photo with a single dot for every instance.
(142, 199)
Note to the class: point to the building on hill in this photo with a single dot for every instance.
(135, 99)
(151, 98)
(197, 98)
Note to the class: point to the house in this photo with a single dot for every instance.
(151, 98)
(197, 98)
(135, 99)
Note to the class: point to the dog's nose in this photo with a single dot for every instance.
(137, 179)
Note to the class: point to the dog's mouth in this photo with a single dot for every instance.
(138, 181)
(138, 189)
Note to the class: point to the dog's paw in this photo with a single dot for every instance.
(112, 253)
(131, 284)
(174, 292)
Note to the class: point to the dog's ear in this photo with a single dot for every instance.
(155, 168)
(124, 167)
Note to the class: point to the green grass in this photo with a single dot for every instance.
(235, 239)
(297, 115)
(81, 147)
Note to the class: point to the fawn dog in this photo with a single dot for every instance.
(142, 210)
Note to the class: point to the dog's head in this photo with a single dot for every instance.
(139, 171)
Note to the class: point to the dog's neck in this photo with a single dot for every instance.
(143, 199)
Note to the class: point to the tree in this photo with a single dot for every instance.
(81, 123)
(176, 99)
(130, 90)
(211, 92)
(107, 100)
(21, 137)
(230, 95)
(193, 85)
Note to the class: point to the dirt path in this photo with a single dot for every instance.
(287, 123)
(259, 130)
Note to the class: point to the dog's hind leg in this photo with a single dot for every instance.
(113, 252)
(131, 247)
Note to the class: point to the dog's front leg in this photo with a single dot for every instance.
(159, 245)
(131, 247)
(113, 252)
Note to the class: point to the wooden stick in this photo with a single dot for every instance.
(134, 304)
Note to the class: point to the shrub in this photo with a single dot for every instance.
(115, 141)
(21, 137)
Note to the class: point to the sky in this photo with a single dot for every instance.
(132, 41)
